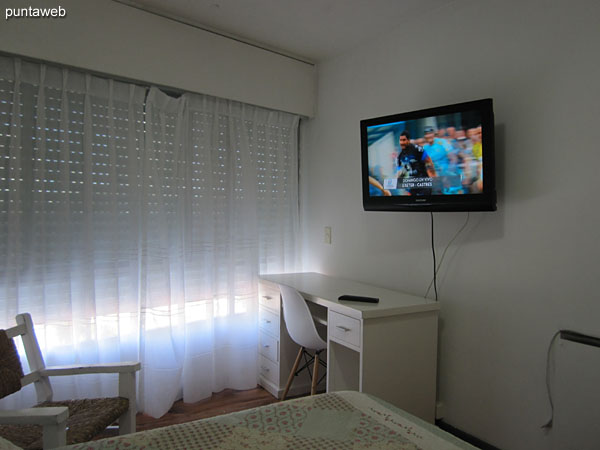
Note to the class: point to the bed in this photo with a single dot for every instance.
(339, 420)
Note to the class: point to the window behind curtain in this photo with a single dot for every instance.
(134, 225)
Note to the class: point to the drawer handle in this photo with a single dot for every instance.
(266, 345)
(266, 297)
(344, 329)
(267, 321)
(264, 369)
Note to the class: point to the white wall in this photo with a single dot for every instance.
(112, 38)
(514, 276)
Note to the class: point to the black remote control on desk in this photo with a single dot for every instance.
(358, 298)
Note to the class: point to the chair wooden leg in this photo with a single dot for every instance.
(313, 386)
(291, 378)
(54, 435)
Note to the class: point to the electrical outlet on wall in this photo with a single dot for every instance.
(327, 237)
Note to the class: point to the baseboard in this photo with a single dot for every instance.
(465, 436)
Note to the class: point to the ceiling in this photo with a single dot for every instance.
(311, 30)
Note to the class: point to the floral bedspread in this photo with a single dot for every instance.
(340, 420)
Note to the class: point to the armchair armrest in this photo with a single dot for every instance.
(77, 369)
(127, 385)
(53, 420)
(35, 416)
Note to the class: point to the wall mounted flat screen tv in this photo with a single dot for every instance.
(436, 159)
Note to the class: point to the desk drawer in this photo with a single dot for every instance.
(268, 321)
(344, 328)
(269, 297)
(268, 346)
(268, 370)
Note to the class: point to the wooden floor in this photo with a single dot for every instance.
(224, 402)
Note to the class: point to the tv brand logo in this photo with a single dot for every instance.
(44, 13)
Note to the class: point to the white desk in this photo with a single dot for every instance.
(388, 349)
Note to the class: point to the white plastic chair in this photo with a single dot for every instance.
(302, 330)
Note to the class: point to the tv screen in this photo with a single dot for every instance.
(436, 159)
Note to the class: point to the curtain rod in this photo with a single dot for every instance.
(149, 10)
(110, 76)
(169, 90)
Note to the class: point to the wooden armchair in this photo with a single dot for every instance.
(55, 423)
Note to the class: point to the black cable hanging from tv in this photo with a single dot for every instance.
(434, 264)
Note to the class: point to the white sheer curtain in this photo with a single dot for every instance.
(133, 226)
